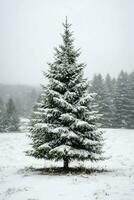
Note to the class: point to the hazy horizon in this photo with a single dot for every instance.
(30, 30)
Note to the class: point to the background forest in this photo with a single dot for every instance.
(115, 99)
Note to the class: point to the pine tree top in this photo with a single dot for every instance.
(66, 52)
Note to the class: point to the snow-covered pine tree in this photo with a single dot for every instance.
(121, 101)
(63, 124)
(110, 92)
(130, 115)
(102, 100)
(11, 119)
(1, 114)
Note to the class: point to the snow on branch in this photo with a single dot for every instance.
(69, 96)
(86, 98)
(63, 104)
(80, 124)
(67, 117)
(74, 153)
(44, 126)
(53, 93)
(69, 135)
(57, 84)
(45, 146)
(90, 142)
(64, 132)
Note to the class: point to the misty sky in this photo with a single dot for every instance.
(30, 29)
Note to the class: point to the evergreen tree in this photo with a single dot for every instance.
(63, 124)
(130, 115)
(1, 114)
(110, 91)
(98, 86)
(121, 101)
(11, 120)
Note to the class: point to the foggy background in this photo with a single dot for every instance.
(30, 29)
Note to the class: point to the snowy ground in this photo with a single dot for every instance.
(16, 184)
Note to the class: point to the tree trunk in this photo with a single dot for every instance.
(66, 163)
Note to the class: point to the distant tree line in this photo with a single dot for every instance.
(115, 99)
(9, 120)
(16, 101)
(24, 97)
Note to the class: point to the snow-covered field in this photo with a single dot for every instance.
(18, 184)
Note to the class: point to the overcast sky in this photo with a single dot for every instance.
(30, 29)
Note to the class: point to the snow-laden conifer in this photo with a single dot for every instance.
(130, 108)
(10, 117)
(102, 99)
(1, 115)
(63, 124)
(122, 101)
